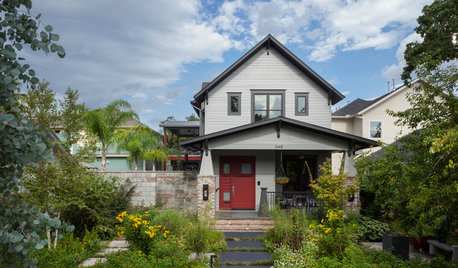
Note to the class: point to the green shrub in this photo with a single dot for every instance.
(370, 229)
(334, 235)
(138, 259)
(305, 256)
(70, 251)
(290, 228)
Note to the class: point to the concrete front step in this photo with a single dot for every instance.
(244, 225)
(255, 245)
(249, 257)
(243, 235)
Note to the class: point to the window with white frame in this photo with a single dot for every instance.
(376, 129)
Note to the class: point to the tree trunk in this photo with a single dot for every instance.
(136, 164)
(57, 232)
(154, 165)
(48, 235)
(104, 160)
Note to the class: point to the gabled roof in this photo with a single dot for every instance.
(359, 142)
(270, 42)
(360, 106)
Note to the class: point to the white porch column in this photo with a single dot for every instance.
(349, 165)
(350, 170)
(207, 179)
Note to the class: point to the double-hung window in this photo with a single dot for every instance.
(267, 104)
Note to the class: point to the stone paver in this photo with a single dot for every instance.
(245, 244)
(244, 256)
(251, 235)
(113, 247)
(256, 254)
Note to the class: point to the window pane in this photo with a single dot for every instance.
(260, 115)
(273, 114)
(234, 104)
(260, 102)
(275, 102)
(246, 168)
(226, 196)
(227, 168)
(376, 129)
(301, 104)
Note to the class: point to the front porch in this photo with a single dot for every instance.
(237, 164)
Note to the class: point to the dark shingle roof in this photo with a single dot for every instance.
(355, 106)
(180, 124)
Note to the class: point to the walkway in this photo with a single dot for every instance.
(113, 247)
(245, 249)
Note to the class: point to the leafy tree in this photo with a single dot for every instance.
(40, 105)
(437, 26)
(70, 117)
(103, 123)
(334, 190)
(192, 117)
(142, 144)
(415, 181)
(21, 225)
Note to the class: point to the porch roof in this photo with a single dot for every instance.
(357, 141)
(182, 128)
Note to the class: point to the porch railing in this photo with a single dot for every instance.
(298, 200)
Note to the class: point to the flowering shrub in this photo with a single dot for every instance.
(333, 234)
(303, 257)
(139, 231)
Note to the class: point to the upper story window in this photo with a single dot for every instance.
(302, 104)
(267, 104)
(376, 129)
(234, 103)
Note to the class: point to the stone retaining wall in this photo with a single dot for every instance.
(177, 189)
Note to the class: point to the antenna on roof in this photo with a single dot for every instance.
(393, 83)
(388, 83)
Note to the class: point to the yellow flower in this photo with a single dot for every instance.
(322, 220)
(327, 230)
(314, 239)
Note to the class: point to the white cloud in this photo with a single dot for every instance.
(394, 71)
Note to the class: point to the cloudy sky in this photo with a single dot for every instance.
(155, 54)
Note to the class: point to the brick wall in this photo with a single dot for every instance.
(177, 189)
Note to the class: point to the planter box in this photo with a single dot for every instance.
(397, 244)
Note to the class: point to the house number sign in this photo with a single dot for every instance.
(278, 146)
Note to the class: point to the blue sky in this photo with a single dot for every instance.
(155, 54)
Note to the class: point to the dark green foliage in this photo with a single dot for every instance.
(70, 252)
(22, 225)
(138, 259)
(437, 25)
(370, 229)
(81, 197)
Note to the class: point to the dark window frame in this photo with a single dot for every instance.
(254, 92)
(229, 98)
(296, 102)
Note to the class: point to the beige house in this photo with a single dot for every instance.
(369, 118)
(267, 115)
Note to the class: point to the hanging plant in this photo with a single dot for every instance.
(281, 180)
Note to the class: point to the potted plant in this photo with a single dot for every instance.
(281, 180)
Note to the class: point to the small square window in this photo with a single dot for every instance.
(376, 129)
(227, 168)
(302, 104)
(246, 168)
(234, 103)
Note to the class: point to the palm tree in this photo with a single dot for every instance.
(142, 144)
(103, 123)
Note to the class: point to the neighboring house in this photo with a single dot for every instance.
(115, 161)
(369, 119)
(267, 115)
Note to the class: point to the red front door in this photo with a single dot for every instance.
(237, 182)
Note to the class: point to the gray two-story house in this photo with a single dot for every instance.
(268, 115)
